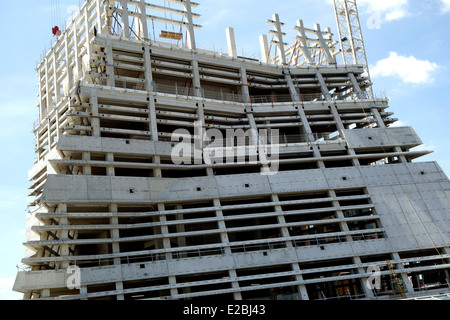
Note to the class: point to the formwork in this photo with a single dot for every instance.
(113, 216)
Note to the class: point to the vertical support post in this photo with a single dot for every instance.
(231, 42)
(324, 45)
(406, 283)
(303, 42)
(244, 80)
(88, 35)
(225, 241)
(125, 22)
(301, 287)
(95, 121)
(149, 87)
(87, 168)
(378, 118)
(356, 86)
(281, 220)
(339, 124)
(62, 209)
(42, 106)
(110, 171)
(114, 221)
(110, 81)
(69, 76)
(78, 68)
(367, 291)
(47, 87)
(196, 78)
(301, 112)
(143, 26)
(99, 16)
(55, 80)
(280, 42)
(264, 43)
(191, 34)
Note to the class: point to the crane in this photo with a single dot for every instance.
(350, 36)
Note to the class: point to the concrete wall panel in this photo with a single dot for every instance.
(292, 181)
(243, 184)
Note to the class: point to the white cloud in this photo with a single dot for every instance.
(408, 69)
(391, 9)
(445, 6)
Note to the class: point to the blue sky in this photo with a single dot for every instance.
(407, 48)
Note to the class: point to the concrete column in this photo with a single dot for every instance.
(340, 215)
(367, 291)
(337, 118)
(301, 287)
(115, 245)
(125, 23)
(404, 275)
(143, 26)
(88, 35)
(45, 293)
(196, 76)
(69, 74)
(87, 168)
(301, 112)
(279, 34)
(164, 229)
(378, 119)
(99, 17)
(83, 291)
(231, 42)
(180, 227)
(110, 171)
(190, 28)
(281, 220)
(55, 78)
(95, 121)
(244, 80)
(114, 221)
(254, 133)
(27, 295)
(119, 287)
(225, 242)
(78, 64)
(110, 80)
(359, 93)
(149, 87)
(264, 43)
(64, 234)
(157, 171)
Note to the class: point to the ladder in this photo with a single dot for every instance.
(397, 280)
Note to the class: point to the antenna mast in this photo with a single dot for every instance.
(350, 36)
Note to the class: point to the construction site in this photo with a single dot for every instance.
(341, 193)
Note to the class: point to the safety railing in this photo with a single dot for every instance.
(234, 97)
(273, 139)
(259, 246)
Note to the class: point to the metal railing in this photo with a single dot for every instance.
(315, 137)
(233, 97)
(261, 246)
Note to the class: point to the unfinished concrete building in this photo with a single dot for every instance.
(108, 199)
